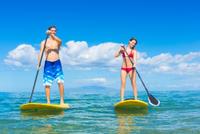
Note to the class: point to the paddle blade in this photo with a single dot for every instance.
(153, 101)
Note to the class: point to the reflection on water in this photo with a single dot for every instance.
(94, 113)
(133, 112)
(48, 128)
(40, 114)
(44, 129)
(126, 122)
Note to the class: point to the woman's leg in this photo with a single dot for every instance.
(123, 84)
(132, 75)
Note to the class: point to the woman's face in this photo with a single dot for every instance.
(132, 43)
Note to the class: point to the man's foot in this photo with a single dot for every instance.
(62, 102)
(64, 105)
(122, 99)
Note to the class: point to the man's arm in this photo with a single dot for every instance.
(40, 54)
(56, 39)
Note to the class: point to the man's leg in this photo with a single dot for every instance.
(61, 88)
(47, 88)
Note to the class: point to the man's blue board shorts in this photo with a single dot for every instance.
(52, 71)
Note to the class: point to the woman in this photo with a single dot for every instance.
(127, 67)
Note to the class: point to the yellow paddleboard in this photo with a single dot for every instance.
(43, 106)
(131, 105)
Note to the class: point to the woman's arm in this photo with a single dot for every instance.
(118, 52)
(135, 58)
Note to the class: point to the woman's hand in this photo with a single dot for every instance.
(121, 50)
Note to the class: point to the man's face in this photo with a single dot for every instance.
(53, 30)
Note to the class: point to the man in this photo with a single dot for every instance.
(52, 68)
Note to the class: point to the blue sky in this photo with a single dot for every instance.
(167, 32)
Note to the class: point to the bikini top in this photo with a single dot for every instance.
(130, 54)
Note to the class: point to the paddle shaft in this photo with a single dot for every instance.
(137, 73)
(38, 69)
(142, 82)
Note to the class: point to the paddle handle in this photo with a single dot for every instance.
(30, 100)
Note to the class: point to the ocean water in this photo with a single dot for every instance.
(92, 112)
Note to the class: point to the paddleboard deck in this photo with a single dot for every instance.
(131, 104)
(43, 106)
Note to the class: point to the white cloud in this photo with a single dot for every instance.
(168, 63)
(78, 54)
(96, 81)
(74, 54)
(24, 55)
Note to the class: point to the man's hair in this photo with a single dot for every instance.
(53, 26)
(133, 38)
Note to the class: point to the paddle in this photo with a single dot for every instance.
(38, 69)
(152, 100)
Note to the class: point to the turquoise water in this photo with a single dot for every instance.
(92, 112)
